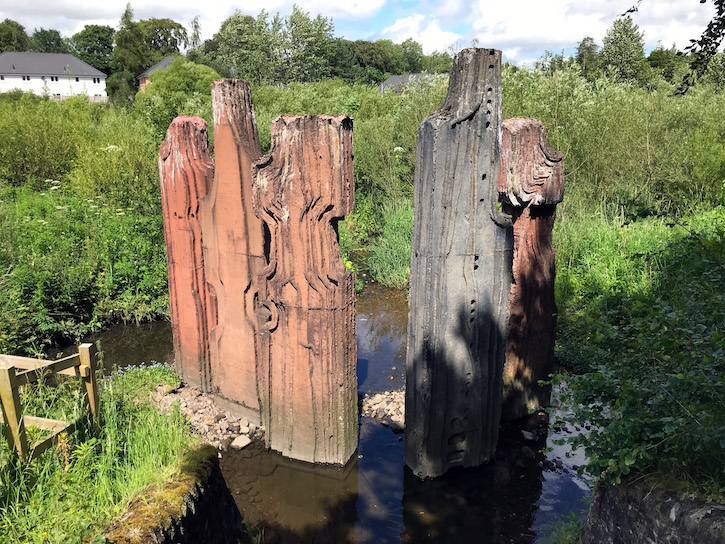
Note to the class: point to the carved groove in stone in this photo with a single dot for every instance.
(460, 276)
(186, 171)
(531, 183)
(233, 245)
(308, 383)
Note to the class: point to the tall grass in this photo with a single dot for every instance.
(71, 492)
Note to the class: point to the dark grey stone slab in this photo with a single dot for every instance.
(460, 276)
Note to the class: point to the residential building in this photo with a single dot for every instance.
(58, 75)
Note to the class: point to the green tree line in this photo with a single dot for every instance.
(261, 49)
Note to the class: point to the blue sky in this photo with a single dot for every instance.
(523, 29)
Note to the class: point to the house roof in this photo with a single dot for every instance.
(394, 82)
(163, 64)
(24, 63)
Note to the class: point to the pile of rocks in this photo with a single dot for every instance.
(388, 407)
(215, 426)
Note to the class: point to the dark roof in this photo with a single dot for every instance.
(394, 82)
(45, 64)
(163, 64)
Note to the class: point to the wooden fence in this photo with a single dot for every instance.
(18, 371)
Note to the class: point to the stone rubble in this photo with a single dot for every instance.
(388, 407)
(215, 426)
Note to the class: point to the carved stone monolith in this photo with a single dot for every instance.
(460, 276)
(307, 380)
(233, 240)
(186, 170)
(531, 184)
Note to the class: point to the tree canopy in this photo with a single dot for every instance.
(48, 41)
(94, 45)
(13, 36)
(623, 50)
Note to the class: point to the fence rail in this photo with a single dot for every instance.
(18, 371)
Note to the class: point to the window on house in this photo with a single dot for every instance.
(2, 77)
(77, 79)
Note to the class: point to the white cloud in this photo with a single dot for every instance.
(425, 30)
(530, 27)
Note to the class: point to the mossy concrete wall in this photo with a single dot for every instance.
(628, 514)
(194, 506)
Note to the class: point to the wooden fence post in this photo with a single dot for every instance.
(88, 354)
(12, 412)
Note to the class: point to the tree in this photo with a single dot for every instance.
(343, 63)
(623, 51)
(48, 41)
(670, 63)
(13, 36)
(138, 46)
(182, 89)
(438, 62)
(244, 47)
(195, 37)
(161, 38)
(307, 47)
(587, 56)
(94, 45)
(127, 60)
(412, 56)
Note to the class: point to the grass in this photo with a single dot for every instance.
(565, 531)
(70, 493)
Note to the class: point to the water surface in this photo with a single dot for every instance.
(513, 499)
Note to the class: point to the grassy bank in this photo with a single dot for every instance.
(70, 493)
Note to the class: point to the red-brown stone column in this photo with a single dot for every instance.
(308, 382)
(530, 183)
(233, 245)
(186, 171)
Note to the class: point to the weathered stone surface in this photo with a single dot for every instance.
(531, 183)
(460, 276)
(233, 243)
(186, 171)
(307, 364)
(628, 513)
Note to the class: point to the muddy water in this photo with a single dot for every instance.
(513, 499)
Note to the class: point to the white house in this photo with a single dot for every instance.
(58, 75)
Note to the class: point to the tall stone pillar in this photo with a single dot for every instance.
(186, 170)
(307, 362)
(233, 245)
(531, 184)
(460, 276)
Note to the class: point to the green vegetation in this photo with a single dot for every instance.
(70, 493)
(565, 531)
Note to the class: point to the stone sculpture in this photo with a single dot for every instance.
(186, 170)
(460, 276)
(307, 361)
(233, 241)
(531, 184)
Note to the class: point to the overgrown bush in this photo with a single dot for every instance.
(654, 392)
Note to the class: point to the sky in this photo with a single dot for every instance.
(522, 29)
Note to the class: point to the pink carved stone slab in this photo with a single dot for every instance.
(233, 243)
(308, 382)
(531, 183)
(186, 170)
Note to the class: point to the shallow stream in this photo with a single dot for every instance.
(513, 499)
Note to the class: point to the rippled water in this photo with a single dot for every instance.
(513, 499)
